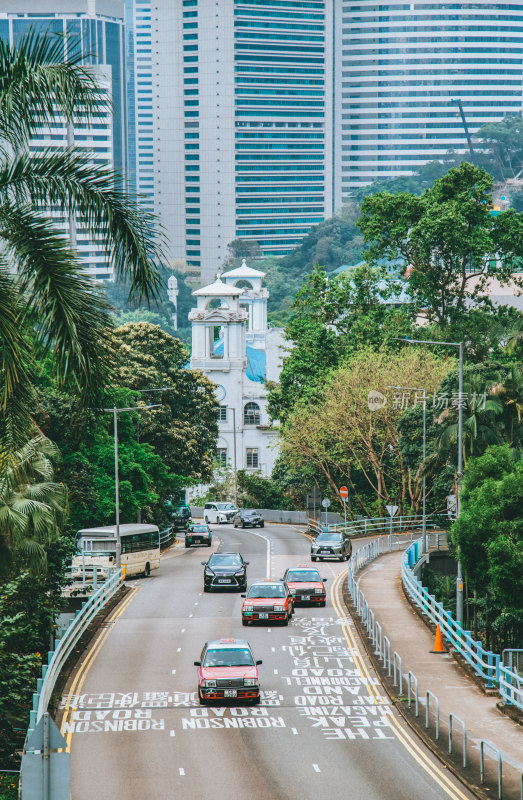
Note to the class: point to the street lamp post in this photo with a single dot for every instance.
(234, 456)
(459, 345)
(115, 411)
(424, 490)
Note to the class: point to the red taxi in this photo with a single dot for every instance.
(267, 601)
(227, 671)
(305, 585)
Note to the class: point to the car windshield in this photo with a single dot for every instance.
(199, 529)
(229, 657)
(218, 560)
(303, 576)
(249, 513)
(270, 590)
(329, 537)
(225, 506)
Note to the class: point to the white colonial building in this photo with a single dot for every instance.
(233, 346)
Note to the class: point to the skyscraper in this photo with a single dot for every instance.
(239, 96)
(97, 26)
(401, 64)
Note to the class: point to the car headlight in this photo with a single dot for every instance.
(279, 608)
(239, 573)
(318, 591)
(209, 683)
(248, 608)
(315, 547)
(250, 682)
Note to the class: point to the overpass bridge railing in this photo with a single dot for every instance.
(380, 525)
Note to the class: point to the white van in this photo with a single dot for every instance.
(219, 512)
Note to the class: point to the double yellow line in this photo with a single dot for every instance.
(406, 740)
(98, 642)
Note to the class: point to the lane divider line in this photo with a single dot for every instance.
(436, 772)
(78, 682)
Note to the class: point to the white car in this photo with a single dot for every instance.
(219, 512)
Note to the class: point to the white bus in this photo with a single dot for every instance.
(97, 547)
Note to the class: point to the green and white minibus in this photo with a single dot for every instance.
(97, 547)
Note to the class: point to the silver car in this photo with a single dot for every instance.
(331, 545)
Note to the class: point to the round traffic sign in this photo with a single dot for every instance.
(325, 502)
(344, 492)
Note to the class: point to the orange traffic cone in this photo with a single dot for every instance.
(438, 642)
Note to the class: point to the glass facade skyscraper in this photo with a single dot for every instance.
(97, 26)
(401, 64)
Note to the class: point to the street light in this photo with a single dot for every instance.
(424, 518)
(115, 411)
(234, 455)
(459, 345)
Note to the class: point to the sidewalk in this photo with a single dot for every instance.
(380, 581)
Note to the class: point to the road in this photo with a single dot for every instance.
(324, 728)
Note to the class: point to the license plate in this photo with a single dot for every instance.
(223, 580)
(230, 693)
(263, 615)
(305, 597)
(325, 551)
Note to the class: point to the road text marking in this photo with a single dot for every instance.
(316, 768)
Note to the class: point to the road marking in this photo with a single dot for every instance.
(275, 671)
(406, 740)
(191, 615)
(182, 771)
(78, 682)
(183, 630)
(261, 536)
(316, 768)
(173, 672)
(269, 630)
(273, 649)
(173, 733)
(196, 604)
(294, 730)
(179, 650)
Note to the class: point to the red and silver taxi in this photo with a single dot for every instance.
(306, 585)
(227, 671)
(267, 601)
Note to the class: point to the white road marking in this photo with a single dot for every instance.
(182, 771)
(316, 768)
(179, 650)
(173, 733)
(261, 536)
(273, 649)
(269, 630)
(173, 672)
(183, 630)
(196, 604)
(295, 731)
(191, 615)
(275, 671)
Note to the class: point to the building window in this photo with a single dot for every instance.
(252, 458)
(251, 414)
(222, 414)
(221, 457)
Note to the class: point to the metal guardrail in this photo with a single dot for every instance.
(64, 646)
(382, 524)
(486, 664)
(167, 537)
(393, 664)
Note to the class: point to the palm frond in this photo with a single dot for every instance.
(38, 79)
(72, 314)
(34, 553)
(69, 179)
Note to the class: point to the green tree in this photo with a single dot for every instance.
(448, 240)
(46, 304)
(183, 432)
(501, 147)
(489, 536)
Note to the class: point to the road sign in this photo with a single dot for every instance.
(344, 492)
(325, 502)
(392, 509)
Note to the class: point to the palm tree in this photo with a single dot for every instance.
(32, 505)
(47, 306)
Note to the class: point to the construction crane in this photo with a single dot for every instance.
(469, 140)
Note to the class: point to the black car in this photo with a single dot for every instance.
(225, 571)
(248, 517)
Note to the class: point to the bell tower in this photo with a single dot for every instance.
(218, 329)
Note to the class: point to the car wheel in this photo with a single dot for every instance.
(323, 603)
(245, 622)
(235, 525)
(262, 525)
(286, 620)
(256, 701)
(147, 570)
(243, 524)
(187, 544)
(209, 544)
(313, 558)
(203, 701)
(341, 558)
(206, 589)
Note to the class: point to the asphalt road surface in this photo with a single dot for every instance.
(324, 728)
